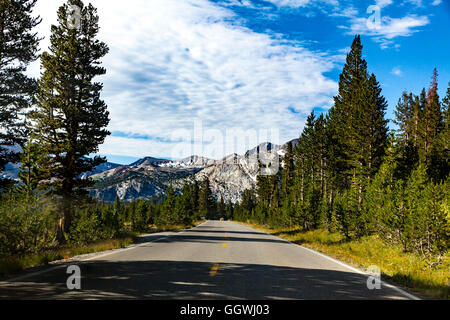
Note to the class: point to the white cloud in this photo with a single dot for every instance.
(388, 28)
(292, 4)
(417, 3)
(349, 12)
(172, 62)
(383, 3)
(396, 71)
(436, 2)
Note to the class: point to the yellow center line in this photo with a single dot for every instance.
(214, 270)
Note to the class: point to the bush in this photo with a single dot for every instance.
(86, 227)
(27, 224)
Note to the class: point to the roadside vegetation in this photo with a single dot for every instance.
(415, 273)
(351, 189)
(28, 227)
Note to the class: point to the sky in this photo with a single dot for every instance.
(215, 77)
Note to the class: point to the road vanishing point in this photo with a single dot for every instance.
(216, 260)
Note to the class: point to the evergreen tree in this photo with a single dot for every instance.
(18, 48)
(431, 122)
(70, 119)
(379, 208)
(29, 170)
(320, 139)
(195, 191)
(346, 113)
(405, 117)
(220, 212)
(372, 131)
(358, 130)
(229, 210)
(305, 157)
(206, 200)
(437, 118)
(446, 105)
(288, 171)
(408, 116)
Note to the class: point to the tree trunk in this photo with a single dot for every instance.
(60, 232)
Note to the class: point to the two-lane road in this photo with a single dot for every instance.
(216, 260)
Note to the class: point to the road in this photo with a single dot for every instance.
(216, 260)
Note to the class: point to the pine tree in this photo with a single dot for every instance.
(169, 212)
(321, 143)
(29, 170)
(229, 210)
(431, 123)
(378, 209)
(288, 171)
(404, 117)
(408, 116)
(18, 48)
(344, 115)
(70, 119)
(372, 133)
(305, 157)
(206, 200)
(437, 152)
(446, 105)
(220, 211)
(358, 130)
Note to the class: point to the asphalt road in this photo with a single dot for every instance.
(216, 260)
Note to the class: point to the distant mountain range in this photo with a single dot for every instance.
(151, 177)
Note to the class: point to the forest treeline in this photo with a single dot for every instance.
(347, 173)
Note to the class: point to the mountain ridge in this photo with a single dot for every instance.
(150, 177)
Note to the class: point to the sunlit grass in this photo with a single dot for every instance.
(421, 275)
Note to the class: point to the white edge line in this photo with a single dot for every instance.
(408, 295)
(391, 286)
(26, 276)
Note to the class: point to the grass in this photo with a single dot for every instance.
(409, 270)
(15, 264)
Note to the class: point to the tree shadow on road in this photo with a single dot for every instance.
(165, 280)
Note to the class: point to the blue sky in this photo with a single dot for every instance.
(254, 66)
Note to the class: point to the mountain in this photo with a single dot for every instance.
(11, 171)
(150, 177)
(99, 169)
(145, 179)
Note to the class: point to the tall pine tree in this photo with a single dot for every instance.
(18, 48)
(70, 119)
(206, 202)
(357, 125)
